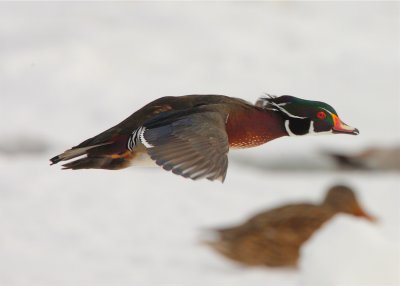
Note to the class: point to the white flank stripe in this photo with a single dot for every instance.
(130, 143)
(142, 139)
(138, 137)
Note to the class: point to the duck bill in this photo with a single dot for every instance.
(358, 211)
(340, 127)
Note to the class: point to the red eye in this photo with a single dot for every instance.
(321, 115)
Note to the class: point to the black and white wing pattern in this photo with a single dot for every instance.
(191, 145)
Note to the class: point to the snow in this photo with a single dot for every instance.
(71, 70)
(128, 228)
(373, 260)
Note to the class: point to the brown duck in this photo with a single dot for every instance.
(274, 237)
(373, 158)
(191, 135)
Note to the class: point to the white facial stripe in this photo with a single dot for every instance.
(326, 110)
(285, 111)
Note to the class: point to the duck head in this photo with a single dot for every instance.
(306, 117)
(343, 200)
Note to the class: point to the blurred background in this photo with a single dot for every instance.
(71, 70)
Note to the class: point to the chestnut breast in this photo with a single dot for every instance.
(252, 127)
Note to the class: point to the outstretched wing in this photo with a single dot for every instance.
(193, 145)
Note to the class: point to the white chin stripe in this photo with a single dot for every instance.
(311, 130)
(288, 129)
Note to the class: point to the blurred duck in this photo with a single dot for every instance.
(274, 237)
(375, 158)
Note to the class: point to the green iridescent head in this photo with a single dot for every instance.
(303, 117)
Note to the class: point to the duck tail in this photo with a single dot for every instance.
(111, 155)
(73, 153)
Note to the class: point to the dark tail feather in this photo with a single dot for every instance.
(110, 155)
(73, 153)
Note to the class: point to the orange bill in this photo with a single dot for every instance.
(340, 127)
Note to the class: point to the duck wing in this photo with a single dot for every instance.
(190, 143)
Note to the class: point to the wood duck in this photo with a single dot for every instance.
(191, 135)
(274, 237)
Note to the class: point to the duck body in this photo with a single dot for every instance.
(188, 135)
(274, 237)
(372, 159)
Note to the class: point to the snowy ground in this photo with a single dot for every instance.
(71, 70)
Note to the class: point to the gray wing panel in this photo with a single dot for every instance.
(193, 145)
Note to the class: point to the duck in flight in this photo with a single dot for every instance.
(191, 135)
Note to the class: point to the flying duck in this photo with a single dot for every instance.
(191, 135)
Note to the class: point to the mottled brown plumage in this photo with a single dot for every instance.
(274, 237)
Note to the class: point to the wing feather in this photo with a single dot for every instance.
(193, 145)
